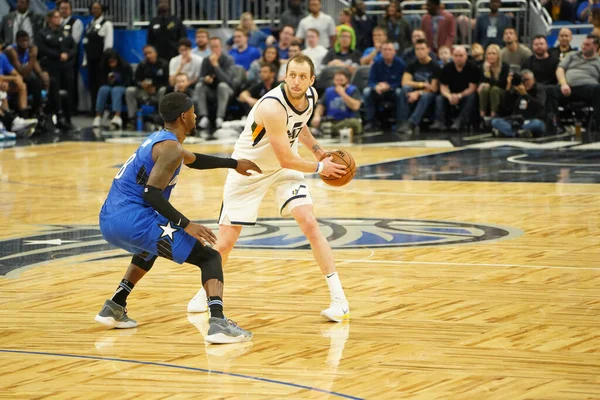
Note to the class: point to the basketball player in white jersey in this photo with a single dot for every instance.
(275, 125)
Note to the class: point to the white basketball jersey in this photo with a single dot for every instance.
(253, 144)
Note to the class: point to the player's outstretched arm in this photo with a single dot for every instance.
(203, 161)
(167, 158)
(273, 117)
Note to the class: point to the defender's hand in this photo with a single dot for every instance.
(202, 233)
(245, 165)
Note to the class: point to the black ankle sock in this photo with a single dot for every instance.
(120, 296)
(215, 304)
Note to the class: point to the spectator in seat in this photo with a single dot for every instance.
(24, 58)
(514, 53)
(363, 25)
(151, 75)
(343, 54)
(420, 84)
(477, 55)
(458, 83)
(541, 63)
(98, 37)
(115, 76)
(494, 82)
(242, 54)
(490, 27)
(320, 21)
(185, 62)
(565, 36)
(409, 56)
(165, 31)
(182, 84)
(268, 80)
(439, 26)
(292, 15)
(21, 19)
(314, 50)
(374, 53)
(11, 82)
(398, 30)
(561, 10)
(269, 56)
(215, 84)
(56, 55)
(524, 109)
(340, 104)
(286, 37)
(578, 76)
(202, 48)
(345, 17)
(384, 84)
(444, 55)
(256, 37)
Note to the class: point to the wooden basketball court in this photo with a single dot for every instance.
(490, 290)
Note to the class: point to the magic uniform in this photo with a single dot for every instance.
(127, 221)
(243, 194)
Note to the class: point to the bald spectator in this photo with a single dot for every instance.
(320, 21)
(458, 81)
(565, 36)
(578, 75)
(515, 53)
(439, 26)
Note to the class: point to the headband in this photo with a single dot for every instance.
(172, 114)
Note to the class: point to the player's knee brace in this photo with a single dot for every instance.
(139, 261)
(208, 260)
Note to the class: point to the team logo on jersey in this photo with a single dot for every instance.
(56, 242)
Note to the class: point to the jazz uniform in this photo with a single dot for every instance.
(243, 194)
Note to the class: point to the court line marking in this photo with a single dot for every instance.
(370, 261)
(158, 364)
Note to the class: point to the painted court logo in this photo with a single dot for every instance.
(56, 242)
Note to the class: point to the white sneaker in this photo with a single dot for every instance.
(204, 123)
(97, 122)
(2, 136)
(198, 303)
(338, 311)
(106, 119)
(116, 122)
(219, 123)
(9, 135)
(21, 124)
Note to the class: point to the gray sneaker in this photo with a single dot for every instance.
(115, 316)
(226, 331)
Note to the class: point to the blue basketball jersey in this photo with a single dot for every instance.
(127, 221)
(23, 57)
(128, 186)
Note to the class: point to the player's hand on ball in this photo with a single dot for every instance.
(202, 233)
(333, 169)
(245, 165)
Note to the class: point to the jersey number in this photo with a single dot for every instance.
(122, 170)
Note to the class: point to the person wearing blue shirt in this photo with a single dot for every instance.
(243, 54)
(340, 104)
(384, 84)
(373, 53)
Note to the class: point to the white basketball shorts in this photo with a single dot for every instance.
(243, 195)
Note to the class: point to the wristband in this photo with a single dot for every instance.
(320, 167)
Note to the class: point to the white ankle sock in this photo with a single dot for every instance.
(335, 286)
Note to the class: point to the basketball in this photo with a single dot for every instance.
(341, 157)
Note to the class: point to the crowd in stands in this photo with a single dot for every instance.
(406, 69)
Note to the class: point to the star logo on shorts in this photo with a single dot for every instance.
(168, 230)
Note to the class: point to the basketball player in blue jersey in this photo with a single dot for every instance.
(275, 126)
(138, 217)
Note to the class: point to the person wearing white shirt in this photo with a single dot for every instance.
(314, 50)
(320, 21)
(98, 38)
(71, 26)
(202, 48)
